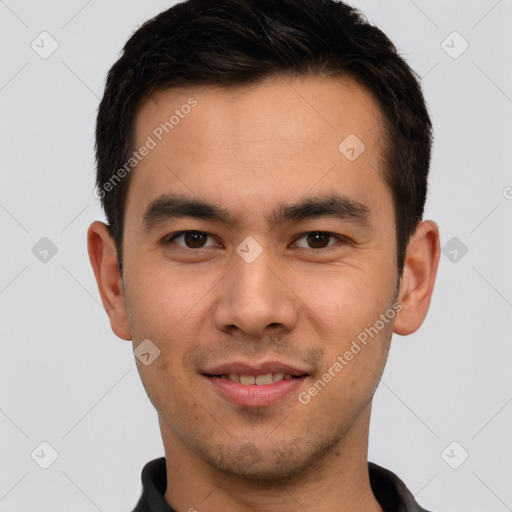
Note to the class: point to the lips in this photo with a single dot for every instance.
(258, 380)
(255, 385)
(240, 368)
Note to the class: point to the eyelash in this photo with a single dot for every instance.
(170, 239)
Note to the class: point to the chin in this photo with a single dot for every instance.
(271, 464)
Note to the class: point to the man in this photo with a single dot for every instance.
(263, 168)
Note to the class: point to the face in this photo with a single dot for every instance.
(287, 268)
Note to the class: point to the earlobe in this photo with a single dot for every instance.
(103, 258)
(418, 278)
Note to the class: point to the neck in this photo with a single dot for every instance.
(339, 480)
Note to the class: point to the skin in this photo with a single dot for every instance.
(250, 149)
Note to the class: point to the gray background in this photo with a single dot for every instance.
(67, 380)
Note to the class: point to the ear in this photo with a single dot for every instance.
(103, 258)
(419, 275)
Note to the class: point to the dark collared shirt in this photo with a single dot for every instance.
(390, 491)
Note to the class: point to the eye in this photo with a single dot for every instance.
(191, 239)
(317, 240)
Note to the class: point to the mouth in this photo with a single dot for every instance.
(256, 380)
(255, 386)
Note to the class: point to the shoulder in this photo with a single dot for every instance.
(391, 492)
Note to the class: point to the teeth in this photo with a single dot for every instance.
(247, 379)
(264, 379)
(260, 380)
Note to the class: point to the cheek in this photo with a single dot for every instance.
(161, 301)
(163, 306)
(354, 362)
(350, 299)
(355, 339)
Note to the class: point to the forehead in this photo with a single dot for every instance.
(277, 136)
(277, 106)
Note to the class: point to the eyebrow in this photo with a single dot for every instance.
(172, 206)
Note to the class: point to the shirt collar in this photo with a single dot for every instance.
(390, 491)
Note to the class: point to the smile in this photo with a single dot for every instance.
(258, 380)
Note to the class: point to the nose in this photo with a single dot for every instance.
(255, 298)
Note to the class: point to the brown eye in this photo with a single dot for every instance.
(191, 239)
(195, 240)
(316, 240)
